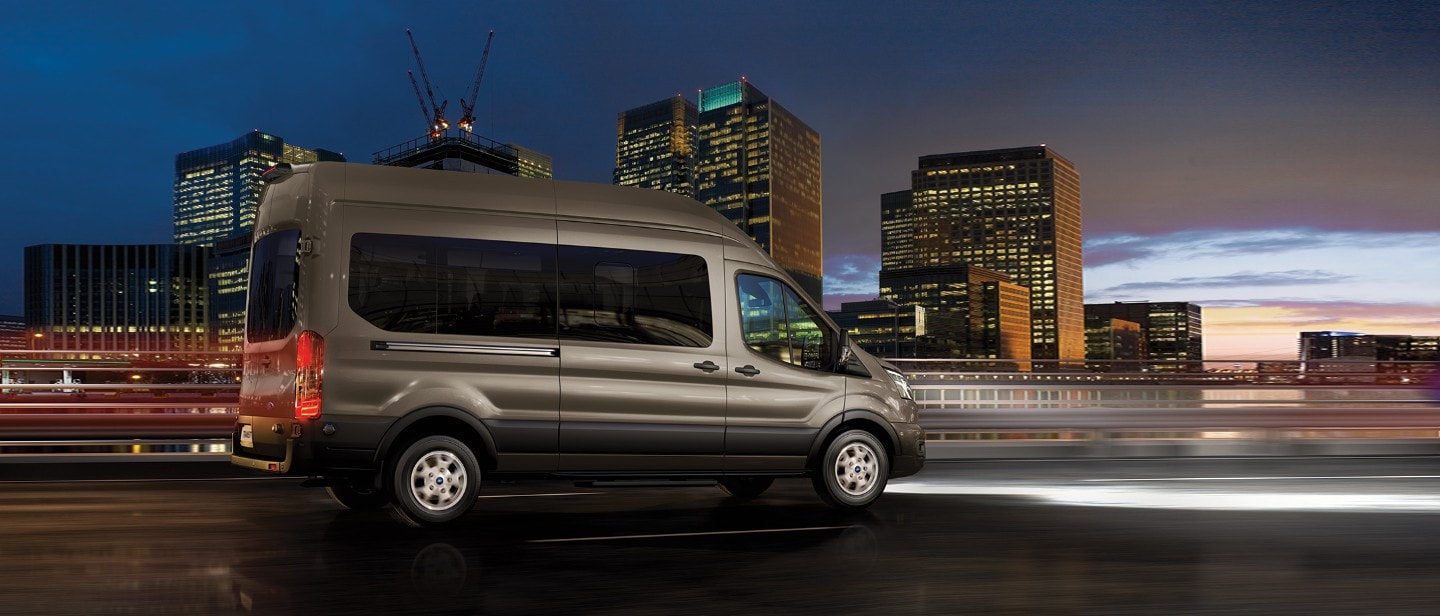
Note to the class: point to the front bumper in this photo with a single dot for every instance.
(911, 455)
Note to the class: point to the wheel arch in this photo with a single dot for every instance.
(442, 420)
(868, 421)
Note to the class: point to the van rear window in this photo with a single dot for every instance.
(270, 306)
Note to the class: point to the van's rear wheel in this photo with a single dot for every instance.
(745, 487)
(434, 481)
(344, 491)
(852, 472)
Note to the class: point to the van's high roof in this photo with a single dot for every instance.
(379, 184)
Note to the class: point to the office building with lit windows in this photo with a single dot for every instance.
(759, 166)
(897, 231)
(1171, 330)
(1347, 356)
(881, 327)
(217, 191)
(117, 297)
(1112, 339)
(218, 188)
(970, 312)
(1015, 211)
(655, 146)
(13, 336)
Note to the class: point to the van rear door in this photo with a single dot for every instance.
(267, 387)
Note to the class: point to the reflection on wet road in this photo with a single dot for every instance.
(1296, 536)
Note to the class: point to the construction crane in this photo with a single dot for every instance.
(436, 119)
(467, 120)
(424, 111)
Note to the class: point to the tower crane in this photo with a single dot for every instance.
(467, 119)
(436, 119)
(424, 111)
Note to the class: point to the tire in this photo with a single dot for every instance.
(745, 487)
(853, 471)
(434, 481)
(343, 490)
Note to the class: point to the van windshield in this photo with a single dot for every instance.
(270, 308)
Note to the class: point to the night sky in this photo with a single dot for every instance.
(1277, 163)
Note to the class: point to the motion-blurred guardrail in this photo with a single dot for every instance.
(985, 408)
(73, 405)
(73, 408)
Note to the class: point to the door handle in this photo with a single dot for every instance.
(707, 365)
(748, 370)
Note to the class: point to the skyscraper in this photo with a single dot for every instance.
(1014, 211)
(759, 166)
(655, 146)
(217, 190)
(117, 297)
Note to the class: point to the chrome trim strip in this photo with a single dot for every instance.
(477, 349)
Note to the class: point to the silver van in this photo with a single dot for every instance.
(409, 331)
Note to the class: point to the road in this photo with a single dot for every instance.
(1179, 536)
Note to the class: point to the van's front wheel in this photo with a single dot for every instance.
(434, 481)
(852, 472)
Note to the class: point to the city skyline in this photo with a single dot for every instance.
(1272, 164)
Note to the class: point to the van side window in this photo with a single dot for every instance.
(776, 323)
(438, 285)
(634, 296)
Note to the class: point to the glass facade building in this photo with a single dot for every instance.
(117, 297)
(217, 191)
(13, 336)
(971, 312)
(218, 188)
(882, 327)
(655, 146)
(1014, 211)
(1171, 330)
(1112, 339)
(759, 166)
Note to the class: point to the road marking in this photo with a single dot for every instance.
(530, 495)
(705, 534)
(1261, 478)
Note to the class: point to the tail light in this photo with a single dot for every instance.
(309, 372)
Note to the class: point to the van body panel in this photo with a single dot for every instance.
(639, 399)
(373, 370)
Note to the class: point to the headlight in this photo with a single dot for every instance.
(901, 384)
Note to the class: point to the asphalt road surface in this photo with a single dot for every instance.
(1182, 536)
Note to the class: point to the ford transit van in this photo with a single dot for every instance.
(409, 332)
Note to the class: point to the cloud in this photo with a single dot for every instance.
(1238, 279)
(852, 277)
(1221, 243)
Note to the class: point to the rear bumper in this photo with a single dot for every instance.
(272, 449)
(911, 455)
(289, 446)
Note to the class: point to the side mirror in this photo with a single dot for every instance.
(845, 353)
